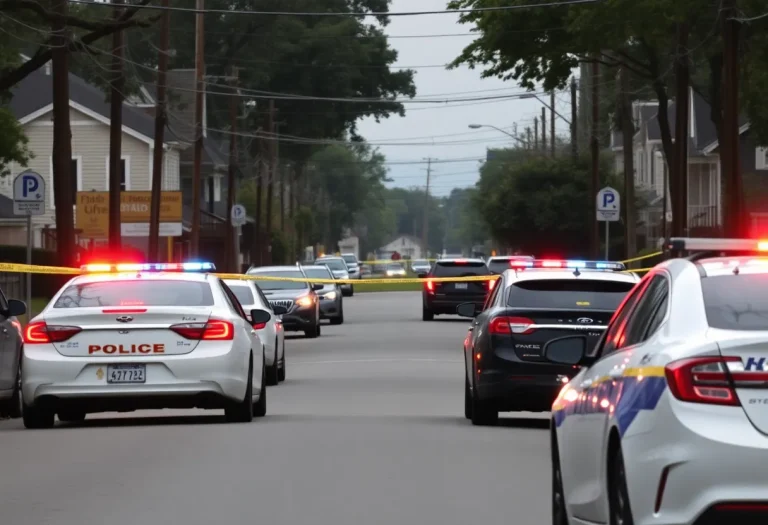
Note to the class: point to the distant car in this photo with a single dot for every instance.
(353, 264)
(395, 270)
(271, 333)
(298, 298)
(420, 266)
(331, 300)
(10, 356)
(365, 271)
(499, 263)
(440, 297)
(340, 270)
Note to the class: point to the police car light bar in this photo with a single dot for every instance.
(568, 264)
(149, 267)
(717, 245)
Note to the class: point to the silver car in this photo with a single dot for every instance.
(340, 270)
(666, 421)
(353, 264)
(330, 296)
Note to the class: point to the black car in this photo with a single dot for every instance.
(443, 297)
(10, 356)
(500, 263)
(505, 368)
(298, 298)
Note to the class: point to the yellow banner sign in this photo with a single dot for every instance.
(92, 213)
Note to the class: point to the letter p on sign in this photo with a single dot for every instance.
(29, 185)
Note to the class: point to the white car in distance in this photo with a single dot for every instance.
(142, 336)
(271, 332)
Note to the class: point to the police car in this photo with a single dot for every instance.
(530, 304)
(139, 336)
(667, 421)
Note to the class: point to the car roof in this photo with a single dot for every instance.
(511, 257)
(460, 259)
(349, 255)
(315, 267)
(144, 276)
(264, 269)
(235, 282)
(589, 275)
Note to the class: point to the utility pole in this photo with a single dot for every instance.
(528, 138)
(594, 240)
(552, 122)
(574, 121)
(735, 215)
(197, 176)
(682, 121)
(271, 178)
(282, 177)
(116, 134)
(232, 245)
(536, 134)
(62, 137)
(160, 121)
(627, 133)
(544, 129)
(425, 224)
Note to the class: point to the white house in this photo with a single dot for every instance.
(408, 246)
(32, 105)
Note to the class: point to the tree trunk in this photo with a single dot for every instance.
(682, 122)
(627, 133)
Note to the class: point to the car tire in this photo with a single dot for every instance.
(36, 417)
(340, 319)
(72, 416)
(427, 314)
(559, 512)
(484, 413)
(467, 398)
(242, 411)
(272, 371)
(281, 370)
(351, 290)
(618, 494)
(313, 330)
(260, 406)
(15, 407)
(319, 329)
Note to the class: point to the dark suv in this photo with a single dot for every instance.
(441, 297)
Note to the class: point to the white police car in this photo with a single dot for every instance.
(667, 422)
(139, 336)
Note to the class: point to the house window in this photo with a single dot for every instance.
(125, 174)
(761, 158)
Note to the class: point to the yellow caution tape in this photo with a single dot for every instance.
(642, 257)
(33, 268)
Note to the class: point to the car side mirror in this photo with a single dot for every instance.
(467, 310)
(16, 308)
(421, 275)
(279, 310)
(259, 316)
(317, 286)
(569, 350)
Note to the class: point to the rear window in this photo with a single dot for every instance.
(350, 259)
(459, 269)
(281, 285)
(498, 266)
(318, 273)
(243, 293)
(333, 264)
(736, 302)
(136, 293)
(568, 294)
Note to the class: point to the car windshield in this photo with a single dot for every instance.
(736, 302)
(136, 293)
(281, 285)
(459, 269)
(395, 266)
(349, 259)
(318, 273)
(243, 293)
(420, 262)
(591, 294)
(333, 264)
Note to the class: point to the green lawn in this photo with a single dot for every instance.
(384, 286)
(38, 303)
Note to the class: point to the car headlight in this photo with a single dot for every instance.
(304, 301)
(330, 296)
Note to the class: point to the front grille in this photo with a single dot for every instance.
(285, 303)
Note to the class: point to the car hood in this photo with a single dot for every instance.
(339, 273)
(284, 294)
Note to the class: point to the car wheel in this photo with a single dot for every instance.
(313, 331)
(559, 513)
(618, 495)
(242, 412)
(15, 404)
(37, 417)
(318, 328)
(340, 319)
(427, 314)
(484, 412)
(272, 372)
(352, 290)
(281, 370)
(260, 407)
(467, 398)
(71, 416)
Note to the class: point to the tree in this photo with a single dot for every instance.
(13, 143)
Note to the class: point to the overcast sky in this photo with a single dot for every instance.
(430, 123)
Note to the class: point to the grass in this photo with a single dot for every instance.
(38, 303)
(385, 286)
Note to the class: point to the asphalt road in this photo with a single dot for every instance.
(367, 430)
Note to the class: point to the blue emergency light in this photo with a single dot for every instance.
(568, 264)
(149, 267)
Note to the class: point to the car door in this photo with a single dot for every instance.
(8, 358)
(579, 432)
(270, 330)
(234, 306)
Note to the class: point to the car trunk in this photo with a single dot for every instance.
(750, 379)
(108, 332)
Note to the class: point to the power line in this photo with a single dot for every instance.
(353, 14)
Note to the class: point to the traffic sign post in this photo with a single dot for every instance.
(29, 200)
(238, 215)
(608, 211)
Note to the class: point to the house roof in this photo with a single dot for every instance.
(35, 93)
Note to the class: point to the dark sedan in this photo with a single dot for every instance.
(440, 297)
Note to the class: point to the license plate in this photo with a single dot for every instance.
(461, 286)
(126, 374)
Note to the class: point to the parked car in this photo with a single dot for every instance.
(353, 264)
(340, 270)
(330, 296)
(10, 356)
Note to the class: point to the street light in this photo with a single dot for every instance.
(553, 110)
(478, 126)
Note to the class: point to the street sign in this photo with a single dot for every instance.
(28, 194)
(608, 205)
(92, 214)
(238, 215)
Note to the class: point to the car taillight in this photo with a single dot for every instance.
(491, 284)
(430, 286)
(213, 330)
(702, 380)
(42, 333)
(511, 325)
